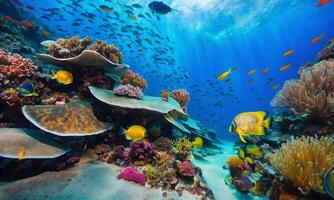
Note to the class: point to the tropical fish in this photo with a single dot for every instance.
(241, 154)
(316, 39)
(132, 17)
(27, 24)
(235, 69)
(251, 80)
(251, 72)
(323, 2)
(63, 77)
(285, 67)
(275, 87)
(135, 132)
(46, 33)
(265, 70)
(223, 75)
(26, 89)
(253, 150)
(198, 143)
(136, 5)
(159, 7)
(22, 153)
(289, 52)
(106, 8)
(250, 123)
(328, 180)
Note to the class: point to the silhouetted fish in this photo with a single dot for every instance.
(159, 8)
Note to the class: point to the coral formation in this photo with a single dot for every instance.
(142, 152)
(186, 169)
(312, 93)
(303, 161)
(128, 91)
(327, 52)
(134, 79)
(131, 174)
(111, 52)
(182, 148)
(182, 97)
(234, 161)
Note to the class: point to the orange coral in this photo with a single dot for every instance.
(234, 161)
(111, 52)
(182, 97)
(134, 79)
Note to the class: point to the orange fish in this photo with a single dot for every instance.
(316, 39)
(285, 67)
(27, 24)
(251, 72)
(265, 70)
(45, 33)
(288, 52)
(10, 19)
(323, 2)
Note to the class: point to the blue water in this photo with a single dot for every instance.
(206, 37)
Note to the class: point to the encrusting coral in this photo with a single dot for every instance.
(182, 97)
(182, 148)
(303, 161)
(312, 93)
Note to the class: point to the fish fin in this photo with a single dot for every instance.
(242, 138)
(259, 131)
(266, 123)
(121, 131)
(54, 76)
(35, 94)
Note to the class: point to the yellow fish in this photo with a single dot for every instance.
(241, 154)
(285, 67)
(248, 160)
(253, 150)
(132, 17)
(198, 143)
(22, 153)
(275, 87)
(63, 77)
(265, 70)
(251, 72)
(250, 123)
(135, 133)
(223, 75)
(289, 52)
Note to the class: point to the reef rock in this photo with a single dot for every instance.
(71, 119)
(34, 142)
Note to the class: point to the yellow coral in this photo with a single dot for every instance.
(153, 174)
(162, 158)
(182, 148)
(303, 161)
(234, 161)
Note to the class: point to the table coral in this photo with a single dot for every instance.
(303, 161)
(131, 174)
(128, 91)
(134, 79)
(312, 93)
(182, 97)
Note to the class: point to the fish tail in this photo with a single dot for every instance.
(266, 123)
(35, 94)
(242, 138)
(53, 75)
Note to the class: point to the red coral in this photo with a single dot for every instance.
(186, 168)
(142, 151)
(182, 97)
(131, 174)
(134, 79)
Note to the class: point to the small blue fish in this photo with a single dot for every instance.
(26, 89)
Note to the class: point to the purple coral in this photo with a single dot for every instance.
(186, 168)
(131, 174)
(128, 91)
(142, 151)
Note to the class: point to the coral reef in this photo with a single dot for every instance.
(131, 174)
(312, 93)
(303, 161)
(234, 161)
(327, 52)
(186, 169)
(111, 52)
(182, 97)
(182, 148)
(142, 152)
(128, 91)
(134, 79)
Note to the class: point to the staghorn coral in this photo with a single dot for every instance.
(131, 174)
(303, 161)
(312, 93)
(111, 52)
(182, 97)
(134, 79)
(186, 169)
(235, 162)
(128, 91)
(182, 148)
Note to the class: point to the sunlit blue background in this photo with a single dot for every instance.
(208, 37)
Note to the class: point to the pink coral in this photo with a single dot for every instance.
(131, 174)
(186, 168)
(128, 91)
(182, 97)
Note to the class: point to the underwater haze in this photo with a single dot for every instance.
(173, 99)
